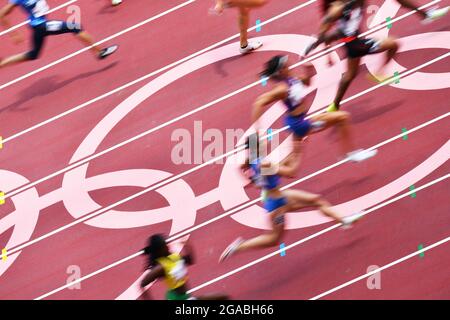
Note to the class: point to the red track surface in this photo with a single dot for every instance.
(307, 270)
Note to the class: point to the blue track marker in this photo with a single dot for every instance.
(282, 246)
(263, 81)
(269, 133)
(258, 25)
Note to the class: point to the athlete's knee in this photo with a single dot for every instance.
(342, 116)
(391, 43)
(320, 201)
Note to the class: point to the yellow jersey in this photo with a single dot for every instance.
(175, 270)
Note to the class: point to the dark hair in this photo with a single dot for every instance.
(272, 66)
(154, 249)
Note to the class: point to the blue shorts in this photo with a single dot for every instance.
(271, 204)
(298, 124)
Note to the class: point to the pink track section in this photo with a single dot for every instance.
(307, 270)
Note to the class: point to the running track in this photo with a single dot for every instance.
(79, 136)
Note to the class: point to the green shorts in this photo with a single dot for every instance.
(173, 295)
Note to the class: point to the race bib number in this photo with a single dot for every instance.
(296, 94)
(179, 272)
(40, 8)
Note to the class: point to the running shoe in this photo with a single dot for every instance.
(116, 2)
(107, 51)
(332, 108)
(251, 46)
(361, 155)
(230, 250)
(434, 14)
(307, 49)
(348, 221)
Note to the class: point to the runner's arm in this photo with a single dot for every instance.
(333, 14)
(154, 274)
(278, 93)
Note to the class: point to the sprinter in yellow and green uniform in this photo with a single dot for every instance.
(172, 267)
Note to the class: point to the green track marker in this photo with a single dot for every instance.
(396, 77)
(405, 136)
(420, 247)
(411, 188)
(389, 24)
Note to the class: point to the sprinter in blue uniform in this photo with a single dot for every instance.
(41, 27)
(267, 176)
(292, 90)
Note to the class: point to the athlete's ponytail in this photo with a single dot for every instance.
(273, 66)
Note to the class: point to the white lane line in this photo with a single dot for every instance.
(389, 265)
(99, 154)
(93, 214)
(151, 74)
(196, 168)
(129, 84)
(17, 26)
(276, 253)
(315, 235)
(3, 86)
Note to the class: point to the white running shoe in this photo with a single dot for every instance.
(230, 249)
(434, 14)
(251, 46)
(348, 221)
(116, 2)
(361, 155)
(107, 51)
